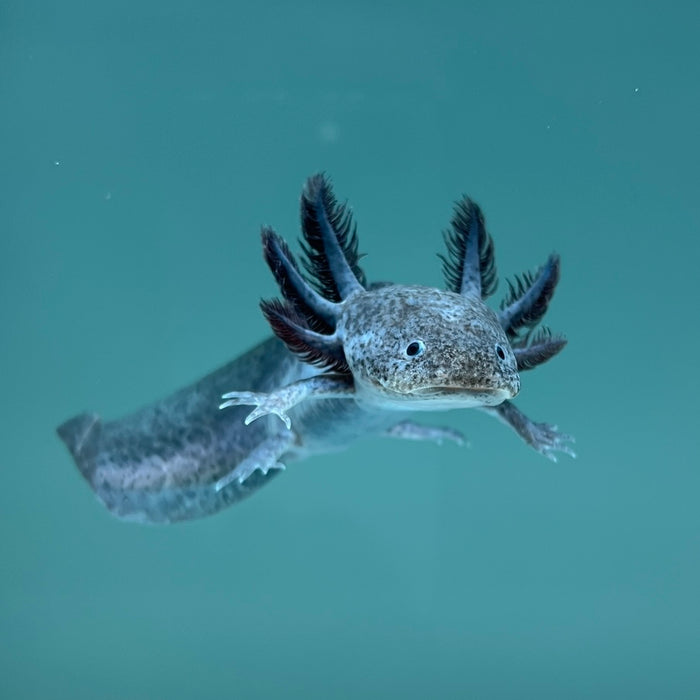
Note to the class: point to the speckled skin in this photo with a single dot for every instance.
(350, 360)
(161, 464)
(460, 335)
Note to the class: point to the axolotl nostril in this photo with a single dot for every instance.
(348, 359)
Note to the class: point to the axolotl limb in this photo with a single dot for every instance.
(348, 359)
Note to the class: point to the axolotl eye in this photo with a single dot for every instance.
(500, 352)
(415, 348)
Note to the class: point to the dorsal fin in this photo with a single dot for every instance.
(469, 266)
(330, 242)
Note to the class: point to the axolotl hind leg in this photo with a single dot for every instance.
(263, 458)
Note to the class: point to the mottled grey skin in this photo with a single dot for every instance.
(459, 367)
(160, 463)
(350, 360)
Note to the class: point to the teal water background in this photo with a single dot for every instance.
(144, 144)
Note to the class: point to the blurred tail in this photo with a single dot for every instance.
(81, 435)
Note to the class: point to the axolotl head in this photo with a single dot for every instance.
(408, 346)
(419, 347)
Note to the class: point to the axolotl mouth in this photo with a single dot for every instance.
(438, 398)
(462, 396)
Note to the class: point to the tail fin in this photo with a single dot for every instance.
(81, 435)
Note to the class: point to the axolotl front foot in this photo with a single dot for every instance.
(282, 400)
(545, 438)
(267, 454)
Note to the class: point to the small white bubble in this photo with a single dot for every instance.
(57, 163)
(636, 89)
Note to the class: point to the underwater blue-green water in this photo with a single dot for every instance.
(143, 145)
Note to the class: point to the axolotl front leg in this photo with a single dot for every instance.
(280, 401)
(326, 386)
(267, 455)
(543, 437)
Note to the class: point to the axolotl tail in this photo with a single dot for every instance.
(147, 471)
(81, 436)
(162, 463)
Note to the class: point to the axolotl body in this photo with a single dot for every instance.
(348, 359)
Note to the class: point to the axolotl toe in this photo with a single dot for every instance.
(349, 359)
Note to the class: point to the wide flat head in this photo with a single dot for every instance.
(422, 348)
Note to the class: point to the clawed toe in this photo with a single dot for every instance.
(547, 440)
(265, 405)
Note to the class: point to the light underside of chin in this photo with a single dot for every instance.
(444, 398)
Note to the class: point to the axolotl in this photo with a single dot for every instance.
(348, 359)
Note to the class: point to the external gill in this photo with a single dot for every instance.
(306, 319)
(330, 242)
(523, 309)
(295, 289)
(528, 298)
(533, 350)
(469, 266)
